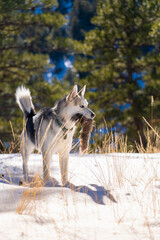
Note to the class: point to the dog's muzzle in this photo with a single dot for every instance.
(79, 117)
(92, 114)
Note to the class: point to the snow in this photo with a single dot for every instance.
(112, 196)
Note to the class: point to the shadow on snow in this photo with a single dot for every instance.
(96, 195)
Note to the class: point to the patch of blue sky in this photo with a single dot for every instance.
(147, 49)
(38, 10)
(125, 106)
(122, 107)
(61, 74)
(48, 76)
(136, 75)
(93, 90)
(139, 78)
(60, 68)
(68, 6)
(141, 83)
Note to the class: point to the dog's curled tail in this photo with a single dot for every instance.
(24, 100)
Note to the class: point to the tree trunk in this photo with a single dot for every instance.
(139, 127)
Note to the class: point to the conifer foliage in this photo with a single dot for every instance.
(114, 59)
(26, 38)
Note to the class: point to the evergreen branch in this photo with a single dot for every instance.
(24, 24)
(31, 48)
(12, 72)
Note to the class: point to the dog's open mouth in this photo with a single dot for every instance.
(77, 118)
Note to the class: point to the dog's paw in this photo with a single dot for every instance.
(66, 184)
(69, 185)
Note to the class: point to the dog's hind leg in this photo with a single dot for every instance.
(26, 149)
(63, 162)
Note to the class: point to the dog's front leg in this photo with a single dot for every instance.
(63, 163)
(47, 157)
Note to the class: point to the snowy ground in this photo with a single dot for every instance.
(113, 196)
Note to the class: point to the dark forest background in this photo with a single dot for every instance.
(111, 46)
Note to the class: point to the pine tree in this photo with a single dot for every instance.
(79, 14)
(80, 18)
(26, 40)
(152, 76)
(114, 65)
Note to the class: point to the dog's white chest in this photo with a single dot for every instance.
(65, 142)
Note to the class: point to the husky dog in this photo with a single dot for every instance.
(51, 129)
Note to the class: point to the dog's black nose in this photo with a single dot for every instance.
(93, 115)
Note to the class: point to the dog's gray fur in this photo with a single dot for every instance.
(42, 131)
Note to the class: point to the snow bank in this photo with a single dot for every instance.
(112, 196)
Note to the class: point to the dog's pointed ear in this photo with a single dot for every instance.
(72, 94)
(82, 91)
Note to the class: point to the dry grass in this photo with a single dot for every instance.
(27, 203)
(111, 143)
(153, 140)
(13, 146)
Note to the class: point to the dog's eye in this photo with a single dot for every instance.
(82, 106)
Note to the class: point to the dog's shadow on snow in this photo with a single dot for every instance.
(97, 195)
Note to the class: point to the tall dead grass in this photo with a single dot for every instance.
(27, 203)
(13, 146)
(112, 143)
(153, 140)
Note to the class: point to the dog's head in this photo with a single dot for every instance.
(77, 105)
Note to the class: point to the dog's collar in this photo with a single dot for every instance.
(61, 125)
